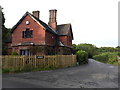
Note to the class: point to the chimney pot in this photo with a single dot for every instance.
(36, 13)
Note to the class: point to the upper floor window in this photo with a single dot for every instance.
(28, 33)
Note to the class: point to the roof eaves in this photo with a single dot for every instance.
(52, 30)
(15, 26)
(36, 20)
(44, 25)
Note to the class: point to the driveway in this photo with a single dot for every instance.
(92, 75)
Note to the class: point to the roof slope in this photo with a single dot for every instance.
(64, 29)
(38, 20)
(47, 27)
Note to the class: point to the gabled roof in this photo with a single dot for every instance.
(46, 27)
(64, 29)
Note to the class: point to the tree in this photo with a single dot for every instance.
(89, 48)
(107, 49)
(74, 48)
(4, 36)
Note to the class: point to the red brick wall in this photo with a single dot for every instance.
(17, 49)
(69, 40)
(66, 40)
(53, 25)
(50, 38)
(63, 39)
(38, 32)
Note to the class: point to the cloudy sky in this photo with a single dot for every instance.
(93, 21)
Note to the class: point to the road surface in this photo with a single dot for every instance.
(91, 75)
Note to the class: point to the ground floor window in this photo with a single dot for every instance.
(24, 52)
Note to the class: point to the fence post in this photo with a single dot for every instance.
(23, 61)
(35, 61)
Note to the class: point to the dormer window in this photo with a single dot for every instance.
(28, 33)
(27, 22)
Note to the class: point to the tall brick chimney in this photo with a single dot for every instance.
(52, 19)
(36, 13)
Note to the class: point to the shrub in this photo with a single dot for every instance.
(107, 57)
(82, 57)
(89, 48)
(5, 70)
(14, 53)
(119, 54)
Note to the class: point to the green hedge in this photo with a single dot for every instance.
(82, 57)
(107, 57)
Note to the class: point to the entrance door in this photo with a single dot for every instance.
(24, 52)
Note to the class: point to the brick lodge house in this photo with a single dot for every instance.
(32, 36)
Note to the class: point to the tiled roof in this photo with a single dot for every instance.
(47, 27)
(64, 29)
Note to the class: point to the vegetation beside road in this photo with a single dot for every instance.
(108, 55)
(26, 69)
(82, 57)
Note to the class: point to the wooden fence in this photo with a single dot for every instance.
(57, 61)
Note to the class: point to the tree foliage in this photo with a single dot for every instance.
(107, 49)
(74, 48)
(92, 50)
(89, 48)
(6, 35)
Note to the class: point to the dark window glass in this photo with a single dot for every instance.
(23, 34)
(28, 33)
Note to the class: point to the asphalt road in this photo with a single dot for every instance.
(92, 75)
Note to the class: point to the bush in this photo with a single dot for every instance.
(82, 57)
(119, 54)
(107, 57)
(89, 48)
(14, 53)
(5, 70)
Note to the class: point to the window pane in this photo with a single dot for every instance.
(28, 33)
